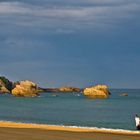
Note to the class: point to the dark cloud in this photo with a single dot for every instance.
(67, 17)
(83, 39)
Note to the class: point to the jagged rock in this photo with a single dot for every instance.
(5, 85)
(99, 91)
(25, 89)
(69, 89)
(3, 89)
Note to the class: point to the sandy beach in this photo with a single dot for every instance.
(21, 131)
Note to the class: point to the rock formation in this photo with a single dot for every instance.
(5, 85)
(40, 90)
(99, 91)
(69, 89)
(3, 89)
(25, 89)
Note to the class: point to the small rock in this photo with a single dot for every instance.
(124, 94)
(69, 89)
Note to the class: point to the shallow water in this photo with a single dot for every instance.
(74, 109)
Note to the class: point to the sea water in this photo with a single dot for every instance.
(74, 109)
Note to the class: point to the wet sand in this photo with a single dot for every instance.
(19, 131)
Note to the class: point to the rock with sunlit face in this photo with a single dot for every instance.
(99, 91)
(5, 85)
(25, 89)
(3, 89)
(69, 89)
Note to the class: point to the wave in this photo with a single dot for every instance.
(13, 124)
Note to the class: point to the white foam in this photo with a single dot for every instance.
(81, 127)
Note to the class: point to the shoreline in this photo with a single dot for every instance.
(27, 131)
(20, 125)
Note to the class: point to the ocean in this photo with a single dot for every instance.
(72, 109)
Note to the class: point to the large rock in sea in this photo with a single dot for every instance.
(99, 91)
(25, 89)
(5, 85)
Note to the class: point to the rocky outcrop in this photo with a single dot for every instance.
(5, 85)
(25, 89)
(40, 90)
(99, 91)
(3, 89)
(69, 89)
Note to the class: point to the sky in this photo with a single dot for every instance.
(71, 42)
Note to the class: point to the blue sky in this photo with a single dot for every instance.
(71, 43)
